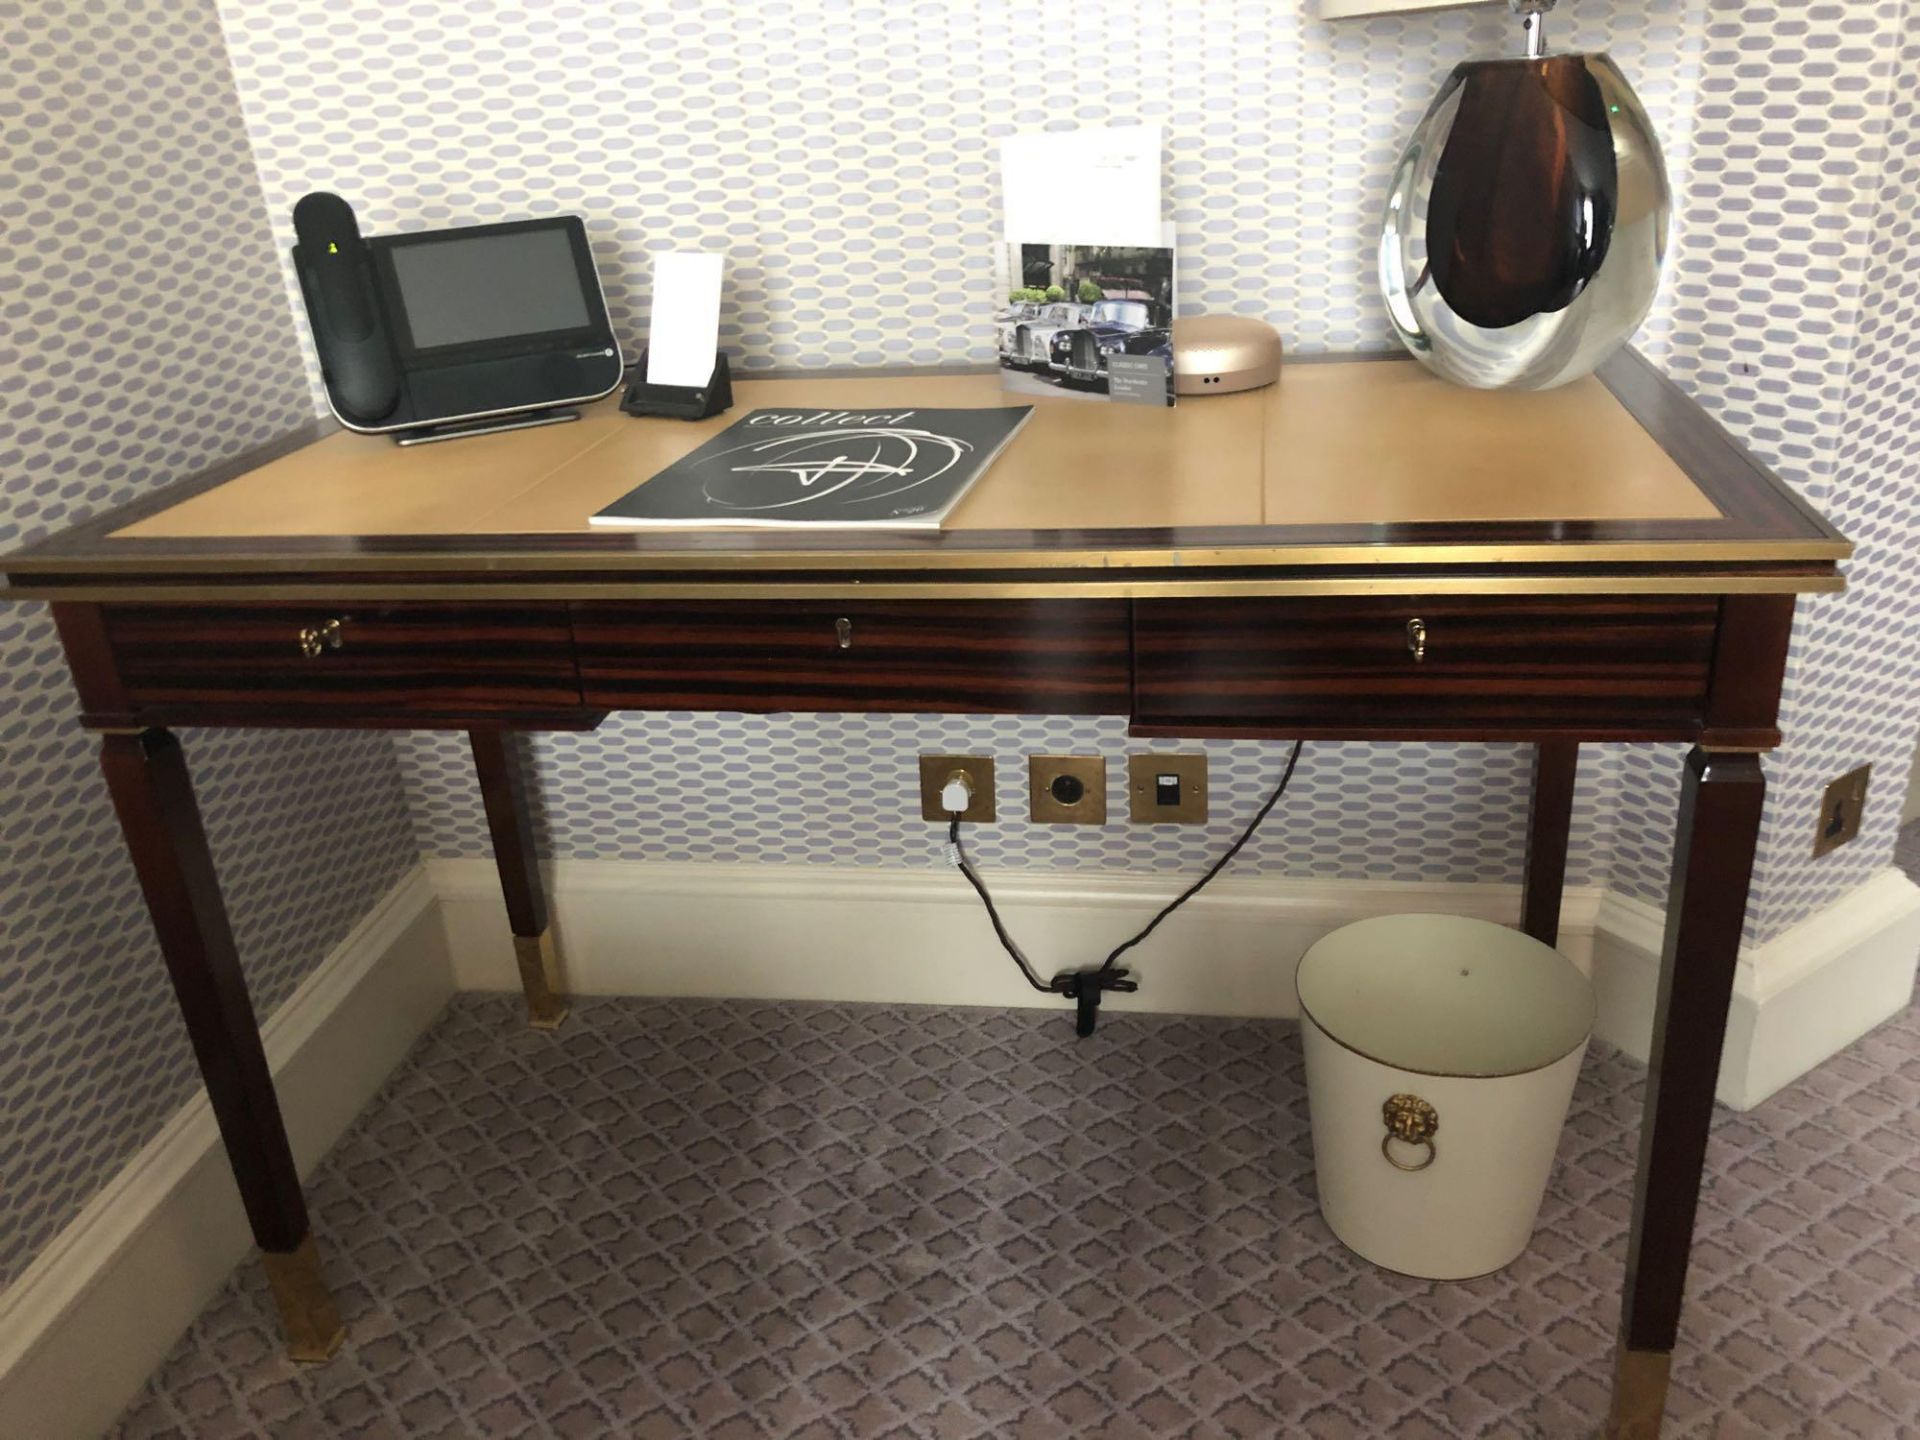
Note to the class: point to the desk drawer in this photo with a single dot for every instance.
(980, 655)
(414, 658)
(1493, 666)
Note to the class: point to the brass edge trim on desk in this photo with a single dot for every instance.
(1383, 552)
(1398, 584)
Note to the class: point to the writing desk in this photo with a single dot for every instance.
(1357, 552)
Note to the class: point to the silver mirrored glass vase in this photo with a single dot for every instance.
(1527, 221)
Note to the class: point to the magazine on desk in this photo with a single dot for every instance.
(871, 469)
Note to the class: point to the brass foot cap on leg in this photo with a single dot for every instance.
(308, 1318)
(539, 961)
(1639, 1394)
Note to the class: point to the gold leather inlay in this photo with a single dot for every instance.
(1354, 442)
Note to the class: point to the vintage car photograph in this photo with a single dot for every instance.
(1072, 307)
(1008, 318)
(1123, 324)
(1006, 323)
(1026, 342)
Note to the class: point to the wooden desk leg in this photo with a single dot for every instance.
(1706, 907)
(1549, 819)
(503, 790)
(153, 796)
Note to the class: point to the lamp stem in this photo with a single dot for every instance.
(1533, 21)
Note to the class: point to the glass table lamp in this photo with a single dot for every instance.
(1527, 220)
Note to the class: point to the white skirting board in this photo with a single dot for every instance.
(788, 932)
(87, 1323)
(1799, 999)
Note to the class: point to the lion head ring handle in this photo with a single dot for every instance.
(1412, 1121)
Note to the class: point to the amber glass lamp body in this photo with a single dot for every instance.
(1527, 222)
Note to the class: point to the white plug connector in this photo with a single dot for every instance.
(957, 793)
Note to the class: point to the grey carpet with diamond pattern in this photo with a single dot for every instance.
(676, 1219)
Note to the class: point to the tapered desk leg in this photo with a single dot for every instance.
(1706, 907)
(153, 796)
(503, 790)
(1549, 820)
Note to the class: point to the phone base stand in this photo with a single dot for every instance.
(460, 429)
(680, 402)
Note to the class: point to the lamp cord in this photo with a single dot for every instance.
(1007, 942)
(1286, 778)
(1086, 985)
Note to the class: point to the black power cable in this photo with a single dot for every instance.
(999, 926)
(1085, 986)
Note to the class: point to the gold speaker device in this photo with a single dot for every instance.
(1216, 354)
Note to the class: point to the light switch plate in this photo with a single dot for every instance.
(1143, 789)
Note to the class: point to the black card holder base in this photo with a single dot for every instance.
(680, 402)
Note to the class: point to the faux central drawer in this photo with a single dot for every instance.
(413, 658)
(1064, 656)
(1476, 665)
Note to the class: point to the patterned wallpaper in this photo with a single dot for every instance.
(844, 154)
(1793, 311)
(1856, 667)
(140, 337)
(825, 789)
(835, 178)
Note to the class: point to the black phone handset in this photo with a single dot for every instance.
(336, 270)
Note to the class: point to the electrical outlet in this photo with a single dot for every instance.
(1840, 810)
(934, 770)
(1068, 789)
(1167, 789)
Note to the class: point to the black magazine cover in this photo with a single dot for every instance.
(890, 469)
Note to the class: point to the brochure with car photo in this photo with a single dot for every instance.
(879, 469)
(1072, 311)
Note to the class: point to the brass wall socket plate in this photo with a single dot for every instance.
(1150, 778)
(1068, 789)
(934, 770)
(1840, 810)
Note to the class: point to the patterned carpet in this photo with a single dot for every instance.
(726, 1220)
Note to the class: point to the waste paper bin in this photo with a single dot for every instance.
(1441, 1055)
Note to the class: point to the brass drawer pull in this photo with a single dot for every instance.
(1412, 1121)
(843, 632)
(1417, 639)
(316, 640)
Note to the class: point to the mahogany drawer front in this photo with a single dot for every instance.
(412, 658)
(1065, 656)
(1619, 664)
